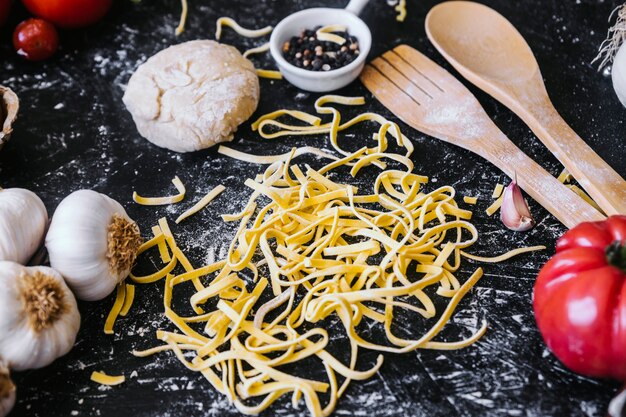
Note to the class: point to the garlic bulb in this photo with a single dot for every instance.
(619, 74)
(514, 211)
(7, 391)
(23, 222)
(93, 243)
(39, 319)
(613, 49)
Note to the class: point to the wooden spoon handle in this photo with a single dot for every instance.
(601, 181)
(530, 101)
(559, 200)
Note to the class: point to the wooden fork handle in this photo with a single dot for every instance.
(559, 200)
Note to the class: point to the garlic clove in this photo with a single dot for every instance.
(514, 211)
(9, 106)
(39, 318)
(93, 243)
(23, 222)
(7, 391)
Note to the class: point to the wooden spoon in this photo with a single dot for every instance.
(487, 50)
(429, 99)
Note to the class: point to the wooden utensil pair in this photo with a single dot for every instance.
(484, 47)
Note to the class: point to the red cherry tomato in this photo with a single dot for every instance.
(580, 299)
(5, 8)
(35, 39)
(69, 13)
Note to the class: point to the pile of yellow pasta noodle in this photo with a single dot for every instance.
(307, 248)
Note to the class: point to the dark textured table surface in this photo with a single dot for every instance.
(73, 132)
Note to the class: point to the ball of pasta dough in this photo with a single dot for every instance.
(192, 95)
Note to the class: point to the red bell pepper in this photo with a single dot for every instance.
(580, 299)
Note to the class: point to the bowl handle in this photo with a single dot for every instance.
(355, 6)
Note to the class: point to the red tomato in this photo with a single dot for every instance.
(35, 39)
(69, 13)
(5, 8)
(580, 299)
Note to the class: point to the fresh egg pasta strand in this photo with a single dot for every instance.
(317, 239)
(248, 33)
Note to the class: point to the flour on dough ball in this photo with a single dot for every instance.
(192, 95)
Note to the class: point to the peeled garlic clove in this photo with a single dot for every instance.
(93, 243)
(7, 391)
(23, 222)
(514, 211)
(39, 318)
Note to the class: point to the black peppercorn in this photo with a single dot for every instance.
(308, 52)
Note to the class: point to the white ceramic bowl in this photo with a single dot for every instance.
(320, 81)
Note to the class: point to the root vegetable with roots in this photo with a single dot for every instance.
(613, 50)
